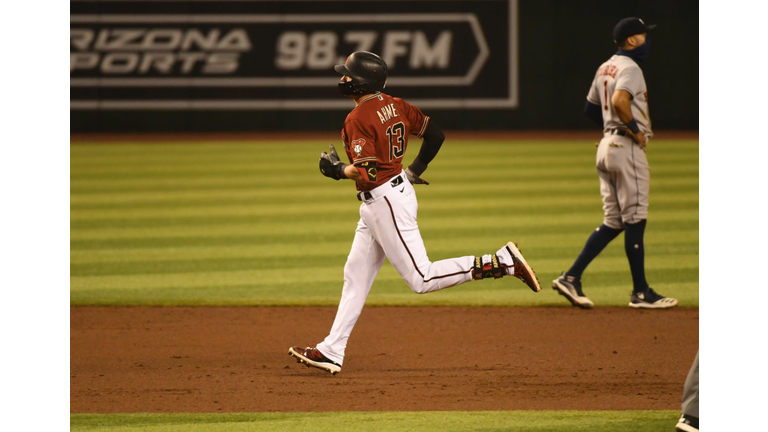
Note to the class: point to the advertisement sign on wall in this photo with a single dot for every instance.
(270, 55)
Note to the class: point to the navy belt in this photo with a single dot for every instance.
(621, 132)
(397, 181)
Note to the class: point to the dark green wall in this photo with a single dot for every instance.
(563, 43)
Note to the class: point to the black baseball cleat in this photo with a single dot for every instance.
(313, 357)
(512, 259)
(570, 288)
(651, 300)
(687, 423)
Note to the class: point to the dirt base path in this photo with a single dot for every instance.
(221, 359)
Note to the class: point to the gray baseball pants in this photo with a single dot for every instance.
(624, 180)
(691, 390)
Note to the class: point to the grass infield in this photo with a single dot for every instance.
(452, 421)
(257, 224)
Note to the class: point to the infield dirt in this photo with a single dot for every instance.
(235, 359)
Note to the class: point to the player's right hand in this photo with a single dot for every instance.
(331, 166)
(333, 157)
(639, 138)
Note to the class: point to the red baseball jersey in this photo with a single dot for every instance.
(375, 137)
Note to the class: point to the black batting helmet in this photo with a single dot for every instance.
(367, 70)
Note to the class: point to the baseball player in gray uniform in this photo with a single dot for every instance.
(689, 412)
(618, 100)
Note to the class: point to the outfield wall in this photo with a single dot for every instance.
(260, 65)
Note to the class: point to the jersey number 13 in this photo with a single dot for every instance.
(396, 132)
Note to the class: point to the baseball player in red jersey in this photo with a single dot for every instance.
(375, 137)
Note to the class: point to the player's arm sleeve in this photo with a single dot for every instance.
(592, 106)
(419, 122)
(362, 151)
(593, 112)
(630, 80)
(423, 127)
(433, 140)
(594, 93)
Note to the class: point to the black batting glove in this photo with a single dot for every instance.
(331, 166)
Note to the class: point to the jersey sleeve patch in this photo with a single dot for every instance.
(357, 146)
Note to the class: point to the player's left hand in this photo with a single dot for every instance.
(414, 178)
(331, 166)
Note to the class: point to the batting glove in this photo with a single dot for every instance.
(331, 166)
(414, 178)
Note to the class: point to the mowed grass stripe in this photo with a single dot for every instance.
(392, 421)
(669, 238)
(331, 275)
(442, 176)
(617, 295)
(199, 150)
(671, 200)
(225, 196)
(273, 175)
(431, 218)
(438, 227)
(132, 157)
(605, 288)
(555, 255)
(138, 153)
(222, 163)
(279, 262)
(222, 224)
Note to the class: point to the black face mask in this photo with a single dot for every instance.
(348, 89)
(638, 54)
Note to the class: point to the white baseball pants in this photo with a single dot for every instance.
(388, 229)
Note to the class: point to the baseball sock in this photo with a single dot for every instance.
(595, 244)
(633, 245)
(487, 266)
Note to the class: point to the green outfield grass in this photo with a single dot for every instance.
(257, 224)
(452, 421)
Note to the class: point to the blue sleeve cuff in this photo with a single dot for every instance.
(594, 112)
